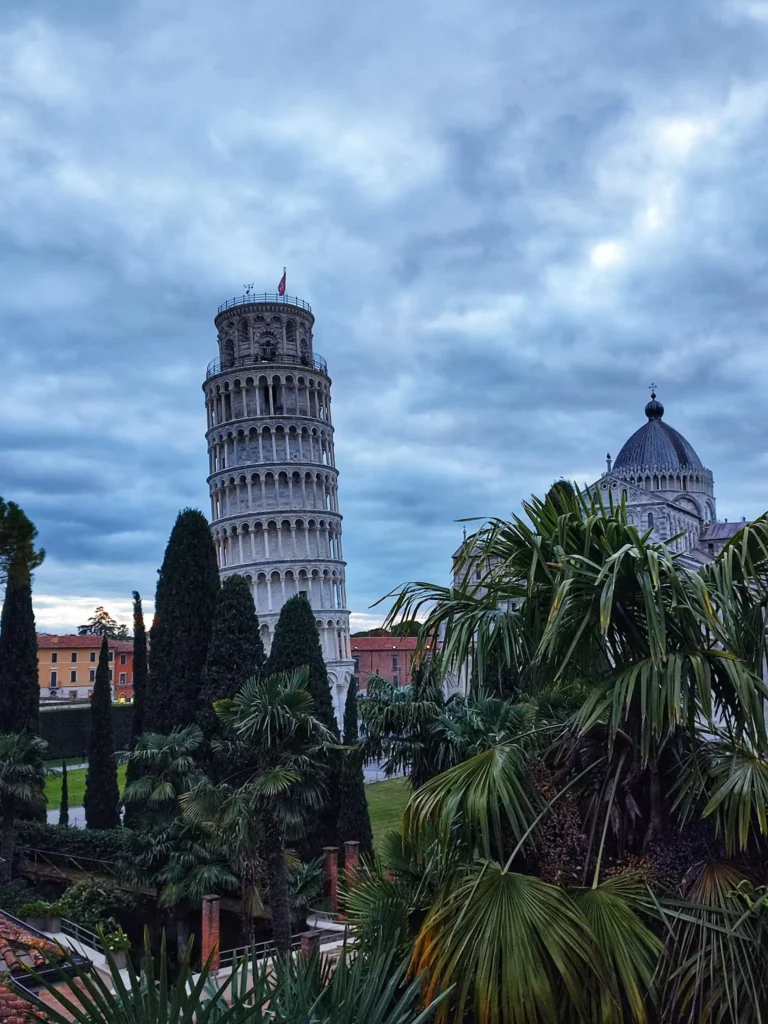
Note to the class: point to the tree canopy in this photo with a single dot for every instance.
(101, 623)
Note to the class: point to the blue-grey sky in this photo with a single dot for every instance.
(508, 219)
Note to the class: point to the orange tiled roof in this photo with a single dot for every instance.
(18, 945)
(52, 641)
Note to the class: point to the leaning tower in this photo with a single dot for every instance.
(273, 477)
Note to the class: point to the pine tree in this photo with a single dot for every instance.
(354, 819)
(296, 643)
(64, 805)
(19, 686)
(235, 653)
(184, 609)
(102, 796)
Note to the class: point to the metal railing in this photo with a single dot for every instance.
(257, 950)
(315, 363)
(331, 916)
(81, 934)
(88, 865)
(247, 300)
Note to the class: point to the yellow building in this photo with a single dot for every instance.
(66, 666)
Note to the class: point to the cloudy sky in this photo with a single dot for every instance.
(508, 218)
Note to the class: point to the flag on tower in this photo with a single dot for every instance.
(281, 286)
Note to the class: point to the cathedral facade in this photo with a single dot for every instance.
(667, 489)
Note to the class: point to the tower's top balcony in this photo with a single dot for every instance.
(314, 362)
(254, 298)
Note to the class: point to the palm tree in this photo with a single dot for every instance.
(272, 732)
(583, 857)
(166, 768)
(21, 787)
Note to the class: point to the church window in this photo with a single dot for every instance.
(711, 548)
(650, 520)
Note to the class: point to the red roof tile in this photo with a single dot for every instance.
(49, 641)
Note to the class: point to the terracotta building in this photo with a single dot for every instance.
(66, 666)
(387, 656)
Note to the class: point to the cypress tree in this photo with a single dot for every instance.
(19, 686)
(185, 604)
(354, 819)
(296, 643)
(139, 669)
(64, 806)
(235, 652)
(102, 796)
(133, 769)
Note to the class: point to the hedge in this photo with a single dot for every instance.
(67, 730)
(107, 844)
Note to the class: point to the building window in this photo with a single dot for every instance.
(110, 675)
(122, 678)
(650, 520)
(111, 656)
(73, 694)
(73, 656)
(54, 678)
(357, 665)
(92, 675)
(73, 676)
(54, 657)
(711, 548)
(395, 680)
(395, 663)
(123, 659)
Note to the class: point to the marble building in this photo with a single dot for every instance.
(272, 476)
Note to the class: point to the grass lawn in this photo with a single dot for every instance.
(386, 803)
(75, 786)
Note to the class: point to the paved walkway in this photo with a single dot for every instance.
(76, 817)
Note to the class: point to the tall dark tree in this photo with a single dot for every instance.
(19, 687)
(134, 768)
(296, 644)
(64, 805)
(354, 819)
(102, 796)
(139, 669)
(184, 609)
(235, 653)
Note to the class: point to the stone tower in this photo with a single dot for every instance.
(273, 478)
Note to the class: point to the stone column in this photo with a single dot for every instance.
(331, 871)
(210, 940)
(351, 858)
(310, 941)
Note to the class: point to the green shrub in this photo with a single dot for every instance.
(13, 896)
(67, 730)
(94, 901)
(37, 908)
(107, 844)
(117, 941)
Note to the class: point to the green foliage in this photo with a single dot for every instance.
(95, 902)
(107, 845)
(305, 884)
(296, 644)
(354, 819)
(235, 654)
(102, 795)
(101, 623)
(19, 686)
(18, 554)
(67, 730)
(293, 990)
(185, 603)
(34, 909)
(117, 941)
(166, 769)
(140, 669)
(21, 789)
(14, 895)
(64, 804)
(270, 727)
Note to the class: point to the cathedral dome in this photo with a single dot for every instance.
(657, 446)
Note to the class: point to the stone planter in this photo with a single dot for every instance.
(120, 959)
(38, 923)
(52, 925)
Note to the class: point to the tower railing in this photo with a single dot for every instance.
(248, 300)
(251, 362)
